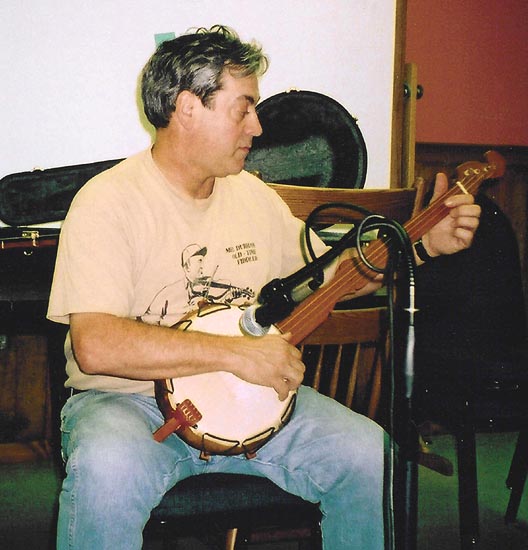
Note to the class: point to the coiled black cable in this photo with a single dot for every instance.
(400, 253)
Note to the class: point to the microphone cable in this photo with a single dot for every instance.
(400, 255)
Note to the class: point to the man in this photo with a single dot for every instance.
(121, 243)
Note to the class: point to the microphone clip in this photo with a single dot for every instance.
(276, 299)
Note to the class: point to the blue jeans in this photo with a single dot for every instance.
(117, 473)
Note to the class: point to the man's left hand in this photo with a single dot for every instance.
(456, 231)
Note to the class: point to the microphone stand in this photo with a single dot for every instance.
(409, 437)
(277, 302)
(405, 483)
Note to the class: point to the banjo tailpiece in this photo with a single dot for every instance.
(184, 415)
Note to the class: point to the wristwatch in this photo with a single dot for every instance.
(419, 248)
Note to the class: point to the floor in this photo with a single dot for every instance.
(28, 495)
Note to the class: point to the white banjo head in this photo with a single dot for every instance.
(237, 417)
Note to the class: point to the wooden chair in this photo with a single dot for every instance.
(345, 358)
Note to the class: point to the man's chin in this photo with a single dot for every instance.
(233, 170)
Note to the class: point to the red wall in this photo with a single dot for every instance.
(472, 58)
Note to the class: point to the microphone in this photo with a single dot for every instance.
(249, 325)
(279, 297)
(277, 300)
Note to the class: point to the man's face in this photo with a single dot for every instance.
(225, 130)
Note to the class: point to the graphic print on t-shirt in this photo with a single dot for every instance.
(166, 306)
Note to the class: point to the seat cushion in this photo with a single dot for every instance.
(224, 494)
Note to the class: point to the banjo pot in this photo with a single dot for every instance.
(237, 417)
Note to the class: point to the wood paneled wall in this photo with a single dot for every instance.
(25, 399)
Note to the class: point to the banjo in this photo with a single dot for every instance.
(219, 413)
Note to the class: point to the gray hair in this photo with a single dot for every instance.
(195, 62)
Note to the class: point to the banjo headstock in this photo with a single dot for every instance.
(472, 173)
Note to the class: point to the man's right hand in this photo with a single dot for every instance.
(268, 361)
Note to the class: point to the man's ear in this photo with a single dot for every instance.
(185, 108)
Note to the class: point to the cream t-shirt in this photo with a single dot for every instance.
(132, 246)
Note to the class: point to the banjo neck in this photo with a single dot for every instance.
(353, 275)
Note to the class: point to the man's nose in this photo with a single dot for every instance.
(255, 129)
